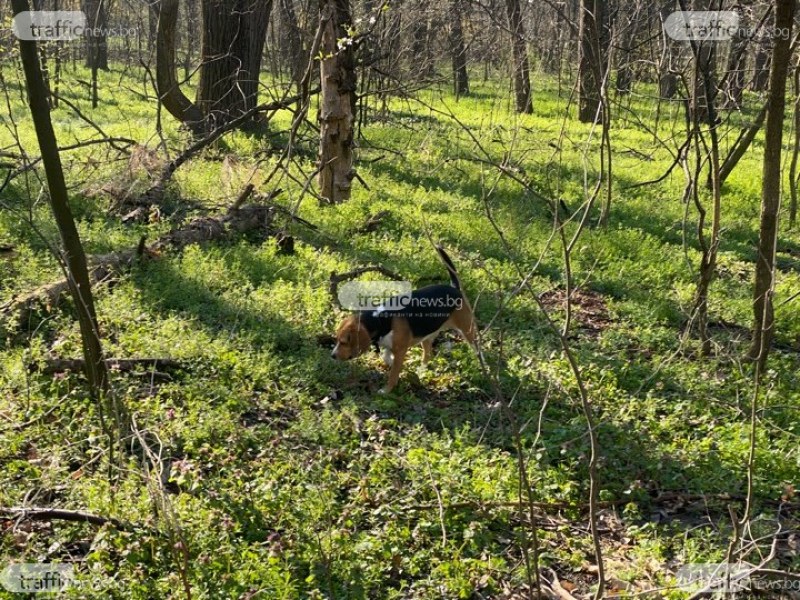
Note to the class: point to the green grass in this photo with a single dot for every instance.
(290, 475)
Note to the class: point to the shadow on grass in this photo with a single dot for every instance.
(167, 290)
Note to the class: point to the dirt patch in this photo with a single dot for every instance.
(590, 315)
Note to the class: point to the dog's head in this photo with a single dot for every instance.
(352, 339)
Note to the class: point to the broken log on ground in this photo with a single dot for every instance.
(236, 221)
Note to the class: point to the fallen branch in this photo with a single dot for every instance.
(105, 267)
(243, 196)
(557, 588)
(157, 190)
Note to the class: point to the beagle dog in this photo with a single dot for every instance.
(404, 321)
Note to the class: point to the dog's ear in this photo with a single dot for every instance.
(364, 340)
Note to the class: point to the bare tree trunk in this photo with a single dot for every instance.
(667, 79)
(294, 41)
(422, 64)
(152, 23)
(96, 42)
(169, 92)
(522, 79)
(234, 32)
(590, 63)
(254, 20)
(458, 51)
(74, 256)
(338, 103)
(762, 60)
(737, 63)
(191, 35)
(636, 20)
(704, 91)
(763, 316)
(624, 70)
(795, 149)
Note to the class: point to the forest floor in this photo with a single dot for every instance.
(290, 477)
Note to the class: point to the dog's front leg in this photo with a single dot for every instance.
(394, 372)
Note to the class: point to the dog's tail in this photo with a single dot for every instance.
(451, 268)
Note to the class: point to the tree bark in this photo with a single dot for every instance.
(624, 69)
(96, 42)
(421, 63)
(667, 79)
(74, 257)
(152, 23)
(591, 60)
(763, 314)
(192, 26)
(737, 63)
(458, 50)
(762, 60)
(704, 91)
(795, 149)
(293, 49)
(338, 103)
(705, 87)
(234, 32)
(522, 79)
(169, 92)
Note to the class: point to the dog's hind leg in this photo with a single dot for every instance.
(463, 321)
(401, 342)
(394, 372)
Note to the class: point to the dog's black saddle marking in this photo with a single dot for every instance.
(425, 309)
(378, 324)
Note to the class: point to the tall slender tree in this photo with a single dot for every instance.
(763, 313)
(737, 63)
(96, 39)
(519, 46)
(458, 50)
(73, 255)
(293, 40)
(338, 103)
(667, 78)
(590, 68)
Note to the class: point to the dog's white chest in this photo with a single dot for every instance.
(385, 342)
